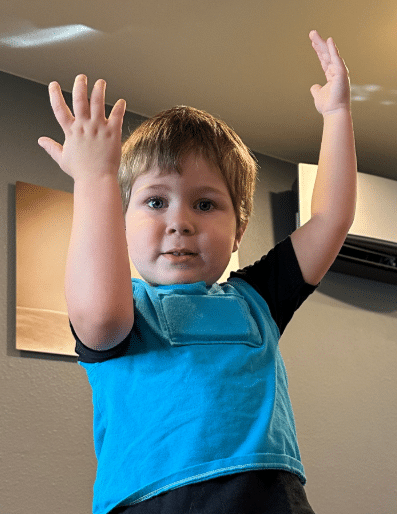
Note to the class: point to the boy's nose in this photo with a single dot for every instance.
(180, 223)
(182, 227)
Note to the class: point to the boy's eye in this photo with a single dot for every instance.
(205, 205)
(155, 203)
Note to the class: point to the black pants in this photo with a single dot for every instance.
(252, 492)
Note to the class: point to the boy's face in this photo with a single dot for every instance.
(181, 228)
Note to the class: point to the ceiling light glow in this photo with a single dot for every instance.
(362, 93)
(48, 36)
(372, 88)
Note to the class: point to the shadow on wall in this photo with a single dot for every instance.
(359, 292)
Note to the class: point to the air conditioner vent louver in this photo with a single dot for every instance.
(363, 252)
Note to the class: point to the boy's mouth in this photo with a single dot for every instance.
(182, 251)
(181, 255)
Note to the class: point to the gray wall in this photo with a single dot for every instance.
(340, 351)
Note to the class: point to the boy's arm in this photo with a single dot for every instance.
(98, 278)
(317, 243)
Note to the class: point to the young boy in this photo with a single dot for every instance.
(191, 405)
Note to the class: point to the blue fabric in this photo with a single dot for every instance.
(201, 392)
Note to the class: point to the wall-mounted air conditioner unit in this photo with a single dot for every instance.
(370, 249)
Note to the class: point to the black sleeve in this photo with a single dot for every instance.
(277, 277)
(86, 354)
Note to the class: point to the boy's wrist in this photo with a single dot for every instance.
(340, 111)
(94, 181)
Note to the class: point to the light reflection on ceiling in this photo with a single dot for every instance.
(48, 36)
(373, 92)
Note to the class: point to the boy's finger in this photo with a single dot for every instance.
(80, 100)
(321, 48)
(117, 114)
(334, 52)
(317, 41)
(97, 100)
(61, 110)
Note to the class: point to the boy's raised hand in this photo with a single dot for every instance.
(335, 94)
(92, 146)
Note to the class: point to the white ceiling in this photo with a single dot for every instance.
(249, 62)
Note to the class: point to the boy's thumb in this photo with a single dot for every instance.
(315, 89)
(53, 148)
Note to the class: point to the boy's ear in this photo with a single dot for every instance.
(239, 236)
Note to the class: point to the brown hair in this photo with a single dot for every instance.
(168, 137)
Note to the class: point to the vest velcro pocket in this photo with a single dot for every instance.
(207, 319)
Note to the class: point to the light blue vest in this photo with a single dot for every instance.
(201, 392)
